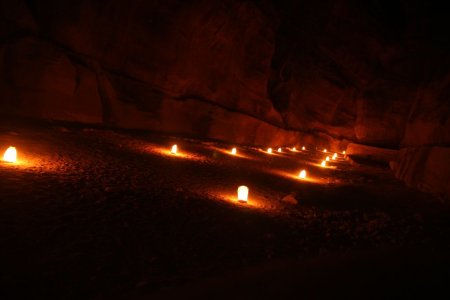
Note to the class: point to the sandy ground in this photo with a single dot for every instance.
(92, 213)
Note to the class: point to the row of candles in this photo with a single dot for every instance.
(243, 190)
(10, 156)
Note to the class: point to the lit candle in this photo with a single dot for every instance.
(279, 150)
(334, 156)
(242, 193)
(325, 150)
(327, 158)
(303, 148)
(324, 163)
(343, 152)
(302, 174)
(233, 151)
(10, 155)
(269, 150)
(294, 149)
(174, 149)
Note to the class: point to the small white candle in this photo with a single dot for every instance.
(242, 193)
(302, 174)
(233, 151)
(279, 150)
(324, 163)
(174, 149)
(10, 155)
(269, 150)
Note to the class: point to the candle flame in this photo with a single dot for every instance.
(343, 152)
(174, 149)
(324, 163)
(294, 149)
(243, 193)
(334, 156)
(269, 150)
(324, 150)
(302, 174)
(303, 148)
(279, 150)
(327, 158)
(10, 155)
(233, 151)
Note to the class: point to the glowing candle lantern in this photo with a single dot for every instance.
(174, 149)
(279, 150)
(242, 193)
(343, 152)
(327, 158)
(302, 174)
(294, 149)
(233, 151)
(269, 150)
(324, 150)
(324, 163)
(303, 148)
(10, 155)
(334, 156)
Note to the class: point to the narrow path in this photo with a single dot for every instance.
(91, 213)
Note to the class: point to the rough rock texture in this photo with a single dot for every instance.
(162, 65)
(425, 167)
(424, 159)
(39, 80)
(372, 153)
(325, 73)
(429, 119)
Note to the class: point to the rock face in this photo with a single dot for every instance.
(326, 73)
(39, 80)
(372, 153)
(426, 168)
(133, 64)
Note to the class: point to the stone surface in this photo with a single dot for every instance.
(290, 199)
(425, 167)
(429, 119)
(217, 51)
(40, 80)
(372, 153)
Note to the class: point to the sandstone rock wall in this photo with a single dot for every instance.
(160, 65)
(425, 167)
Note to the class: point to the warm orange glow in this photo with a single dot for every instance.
(242, 193)
(10, 155)
(174, 149)
(294, 149)
(343, 152)
(279, 150)
(327, 158)
(295, 176)
(269, 150)
(234, 151)
(325, 150)
(240, 154)
(302, 174)
(334, 156)
(324, 163)
(303, 148)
